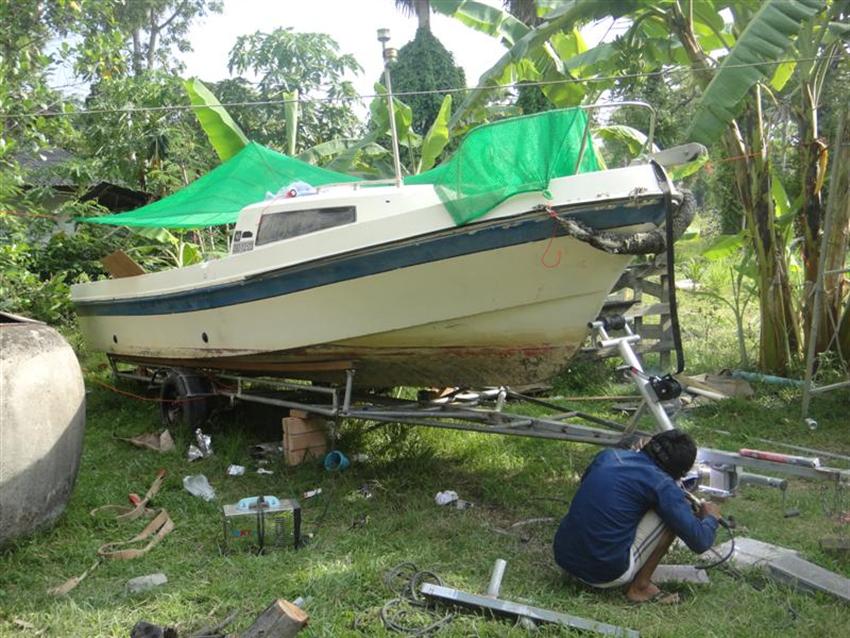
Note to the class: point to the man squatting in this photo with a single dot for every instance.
(628, 510)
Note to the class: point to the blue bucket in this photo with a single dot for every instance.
(336, 461)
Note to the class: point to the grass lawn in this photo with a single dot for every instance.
(509, 479)
(355, 540)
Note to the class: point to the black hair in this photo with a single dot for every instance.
(673, 451)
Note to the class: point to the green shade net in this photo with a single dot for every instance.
(219, 196)
(505, 158)
(494, 162)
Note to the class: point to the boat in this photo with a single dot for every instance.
(381, 279)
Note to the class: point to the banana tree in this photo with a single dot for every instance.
(550, 52)
(756, 43)
(819, 48)
(766, 39)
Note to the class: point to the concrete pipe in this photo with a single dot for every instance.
(42, 418)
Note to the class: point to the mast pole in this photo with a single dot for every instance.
(390, 55)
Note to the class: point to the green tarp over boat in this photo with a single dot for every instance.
(494, 162)
(517, 155)
(217, 197)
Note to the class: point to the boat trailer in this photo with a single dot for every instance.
(483, 411)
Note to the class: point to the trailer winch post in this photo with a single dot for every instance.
(627, 353)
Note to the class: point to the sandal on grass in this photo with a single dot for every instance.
(660, 598)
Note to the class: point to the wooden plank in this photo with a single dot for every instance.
(119, 265)
(640, 310)
(654, 289)
(651, 331)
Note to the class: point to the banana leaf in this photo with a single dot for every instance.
(224, 134)
(765, 40)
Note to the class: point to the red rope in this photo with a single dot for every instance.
(139, 397)
(551, 212)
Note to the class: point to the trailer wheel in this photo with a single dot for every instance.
(185, 399)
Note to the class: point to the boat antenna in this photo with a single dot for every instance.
(390, 56)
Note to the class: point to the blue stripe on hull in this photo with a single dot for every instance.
(463, 240)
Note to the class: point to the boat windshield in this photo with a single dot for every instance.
(287, 224)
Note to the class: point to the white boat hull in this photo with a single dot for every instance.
(403, 296)
(488, 318)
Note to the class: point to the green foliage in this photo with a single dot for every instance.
(531, 99)
(115, 39)
(766, 38)
(224, 134)
(156, 151)
(39, 260)
(424, 65)
(309, 63)
(437, 137)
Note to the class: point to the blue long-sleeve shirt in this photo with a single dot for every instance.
(594, 539)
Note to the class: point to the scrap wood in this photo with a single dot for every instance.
(71, 583)
(713, 386)
(281, 619)
(214, 631)
(162, 442)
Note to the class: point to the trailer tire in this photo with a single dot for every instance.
(185, 397)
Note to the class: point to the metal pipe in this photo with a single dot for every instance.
(496, 578)
(255, 398)
(811, 351)
(760, 479)
(388, 54)
(349, 384)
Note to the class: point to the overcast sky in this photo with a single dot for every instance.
(352, 23)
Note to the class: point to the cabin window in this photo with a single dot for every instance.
(284, 225)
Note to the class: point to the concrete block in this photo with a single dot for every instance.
(786, 566)
(296, 457)
(750, 552)
(679, 574)
(144, 583)
(305, 440)
(807, 576)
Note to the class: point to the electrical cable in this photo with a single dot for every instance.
(696, 504)
(721, 559)
(541, 83)
(404, 580)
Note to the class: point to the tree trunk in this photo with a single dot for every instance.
(422, 8)
(836, 243)
(137, 53)
(778, 333)
(810, 217)
(154, 27)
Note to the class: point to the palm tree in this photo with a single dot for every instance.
(420, 8)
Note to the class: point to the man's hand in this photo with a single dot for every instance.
(709, 509)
